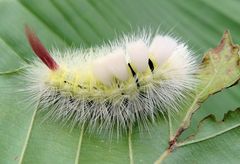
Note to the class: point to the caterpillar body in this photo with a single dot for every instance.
(128, 82)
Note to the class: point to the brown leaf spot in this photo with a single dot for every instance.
(229, 71)
(16, 158)
(219, 47)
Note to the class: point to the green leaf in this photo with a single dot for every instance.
(221, 100)
(220, 68)
(25, 138)
(209, 127)
(215, 142)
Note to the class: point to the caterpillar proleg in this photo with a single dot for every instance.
(128, 82)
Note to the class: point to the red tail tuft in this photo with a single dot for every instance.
(40, 50)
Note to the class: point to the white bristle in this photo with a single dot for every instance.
(162, 47)
(138, 53)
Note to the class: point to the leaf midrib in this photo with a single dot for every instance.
(27, 137)
(181, 144)
(77, 158)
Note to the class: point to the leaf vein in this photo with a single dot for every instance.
(130, 147)
(45, 22)
(79, 145)
(208, 137)
(28, 136)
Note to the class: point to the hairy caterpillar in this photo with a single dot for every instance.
(130, 81)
